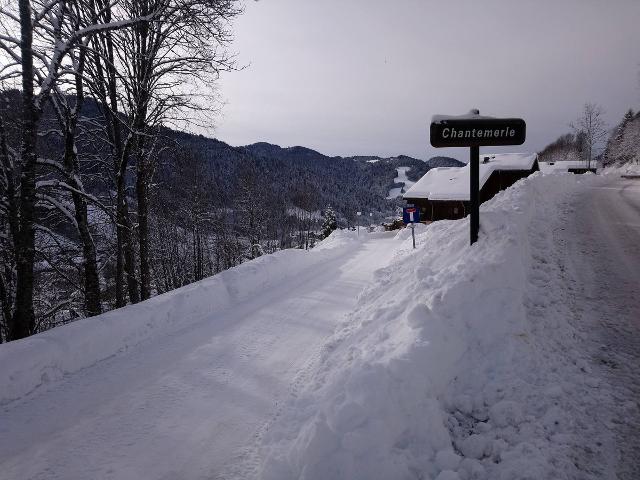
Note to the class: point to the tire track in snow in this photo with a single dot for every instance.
(606, 229)
(247, 462)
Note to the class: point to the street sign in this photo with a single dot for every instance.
(410, 215)
(470, 132)
(474, 131)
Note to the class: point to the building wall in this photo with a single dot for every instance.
(431, 210)
(582, 170)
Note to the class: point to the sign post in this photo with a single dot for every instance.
(474, 192)
(411, 216)
(474, 131)
(358, 221)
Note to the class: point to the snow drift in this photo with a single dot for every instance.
(447, 368)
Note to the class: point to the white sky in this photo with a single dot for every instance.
(350, 77)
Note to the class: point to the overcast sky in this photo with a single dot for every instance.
(354, 77)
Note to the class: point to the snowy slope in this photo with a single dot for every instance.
(43, 358)
(400, 178)
(458, 363)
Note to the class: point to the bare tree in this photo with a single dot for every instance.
(153, 70)
(250, 205)
(140, 60)
(591, 127)
(36, 39)
(103, 79)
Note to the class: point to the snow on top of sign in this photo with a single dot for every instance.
(471, 115)
(452, 183)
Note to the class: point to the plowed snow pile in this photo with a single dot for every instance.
(458, 363)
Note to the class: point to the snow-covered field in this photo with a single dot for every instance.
(400, 178)
(361, 359)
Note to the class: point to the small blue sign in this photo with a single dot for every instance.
(410, 215)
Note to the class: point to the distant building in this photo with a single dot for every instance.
(571, 166)
(443, 193)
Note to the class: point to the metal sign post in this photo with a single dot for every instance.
(474, 131)
(413, 235)
(411, 216)
(474, 192)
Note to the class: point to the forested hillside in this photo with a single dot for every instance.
(417, 171)
(208, 207)
(624, 144)
(615, 147)
(567, 147)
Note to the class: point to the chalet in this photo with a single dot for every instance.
(443, 193)
(571, 166)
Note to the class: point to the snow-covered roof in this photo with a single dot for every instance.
(452, 183)
(566, 165)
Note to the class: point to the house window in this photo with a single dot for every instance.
(455, 210)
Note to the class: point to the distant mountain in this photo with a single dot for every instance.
(399, 161)
(434, 162)
(276, 152)
(348, 184)
(419, 170)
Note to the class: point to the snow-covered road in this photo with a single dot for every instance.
(605, 230)
(188, 404)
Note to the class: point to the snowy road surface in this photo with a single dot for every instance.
(189, 403)
(606, 229)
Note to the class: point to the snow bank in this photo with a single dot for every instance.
(444, 370)
(626, 169)
(339, 238)
(46, 357)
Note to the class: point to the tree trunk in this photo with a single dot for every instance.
(120, 300)
(23, 321)
(93, 305)
(125, 265)
(143, 221)
(91, 279)
(90, 263)
(130, 267)
(105, 88)
(5, 303)
(126, 242)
